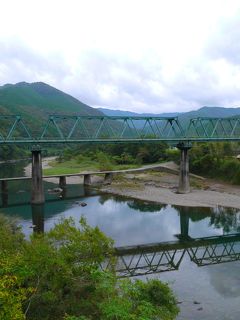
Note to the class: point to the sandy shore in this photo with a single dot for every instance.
(161, 187)
(197, 198)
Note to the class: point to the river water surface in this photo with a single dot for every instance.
(196, 250)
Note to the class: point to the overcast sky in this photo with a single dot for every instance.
(144, 56)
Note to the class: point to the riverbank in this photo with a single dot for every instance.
(161, 187)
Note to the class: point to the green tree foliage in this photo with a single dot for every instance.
(57, 276)
(124, 153)
(216, 160)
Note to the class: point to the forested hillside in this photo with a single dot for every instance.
(35, 101)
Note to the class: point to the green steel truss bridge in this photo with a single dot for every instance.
(106, 129)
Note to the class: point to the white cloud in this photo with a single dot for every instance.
(140, 55)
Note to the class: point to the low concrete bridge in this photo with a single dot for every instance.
(38, 192)
(61, 129)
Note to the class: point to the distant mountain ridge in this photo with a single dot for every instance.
(218, 112)
(122, 113)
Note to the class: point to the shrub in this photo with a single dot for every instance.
(104, 162)
(57, 276)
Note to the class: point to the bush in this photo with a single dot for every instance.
(104, 162)
(57, 276)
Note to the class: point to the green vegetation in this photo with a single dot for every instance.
(57, 276)
(107, 157)
(216, 160)
(34, 100)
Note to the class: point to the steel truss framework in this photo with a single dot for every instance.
(103, 129)
(156, 258)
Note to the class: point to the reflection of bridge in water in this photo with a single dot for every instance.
(160, 257)
(167, 256)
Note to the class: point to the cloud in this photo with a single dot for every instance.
(19, 62)
(178, 71)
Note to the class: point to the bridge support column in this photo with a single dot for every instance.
(184, 181)
(87, 180)
(37, 180)
(108, 178)
(63, 186)
(62, 182)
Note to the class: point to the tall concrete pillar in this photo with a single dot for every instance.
(184, 182)
(37, 180)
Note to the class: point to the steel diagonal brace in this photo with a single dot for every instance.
(13, 127)
(236, 123)
(204, 130)
(174, 129)
(134, 128)
(215, 127)
(73, 128)
(25, 129)
(51, 120)
(99, 128)
(221, 123)
(160, 132)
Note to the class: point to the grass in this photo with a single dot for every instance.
(74, 166)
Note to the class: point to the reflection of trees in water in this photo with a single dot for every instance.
(144, 206)
(140, 205)
(226, 218)
(12, 169)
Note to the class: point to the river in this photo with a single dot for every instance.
(189, 245)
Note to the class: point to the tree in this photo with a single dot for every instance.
(58, 276)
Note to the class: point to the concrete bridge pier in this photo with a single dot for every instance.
(37, 180)
(63, 186)
(184, 181)
(87, 180)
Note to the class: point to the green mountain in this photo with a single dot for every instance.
(35, 101)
